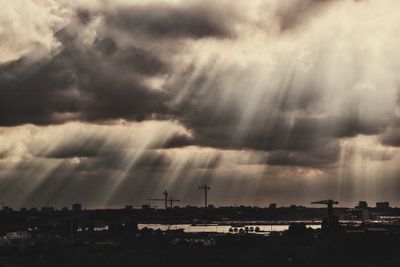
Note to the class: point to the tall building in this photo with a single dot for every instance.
(76, 207)
(362, 205)
(382, 205)
(47, 209)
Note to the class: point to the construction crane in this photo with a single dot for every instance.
(331, 222)
(205, 187)
(171, 201)
(165, 199)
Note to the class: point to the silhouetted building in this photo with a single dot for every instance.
(65, 209)
(7, 208)
(272, 206)
(382, 205)
(362, 205)
(128, 207)
(76, 207)
(47, 209)
(365, 214)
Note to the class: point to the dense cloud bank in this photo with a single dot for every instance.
(309, 88)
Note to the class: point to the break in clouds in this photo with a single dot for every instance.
(111, 102)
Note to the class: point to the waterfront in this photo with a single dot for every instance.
(224, 228)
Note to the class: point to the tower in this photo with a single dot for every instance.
(205, 187)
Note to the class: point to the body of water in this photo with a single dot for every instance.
(211, 228)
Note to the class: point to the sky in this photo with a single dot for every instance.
(109, 103)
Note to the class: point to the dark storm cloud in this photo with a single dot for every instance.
(171, 21)
(391, 135)
(141, 61)
(110, 160)
(88, 146)
(295, 13)
(107, 46)
(85, 82)
(95, 153)
(84, 16)
(292, 122)
(320, 156)
(351, 125)
(282, 132)
(178, 141)
(292, 15)
(106, 79)
(4, 154)
(73, 82)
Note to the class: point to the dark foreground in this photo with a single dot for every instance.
(296, 247)
(112, 238)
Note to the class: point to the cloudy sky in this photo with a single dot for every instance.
(110, 102)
